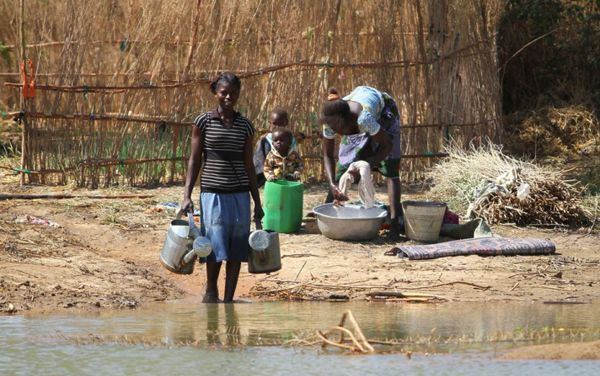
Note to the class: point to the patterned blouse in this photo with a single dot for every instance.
(372, 102)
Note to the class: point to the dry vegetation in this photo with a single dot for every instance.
(549, 54)
(568, 131)
(466, 175)
(132, 59)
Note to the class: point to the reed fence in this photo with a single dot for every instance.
(118, 83)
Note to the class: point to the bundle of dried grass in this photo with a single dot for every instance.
(484, 182)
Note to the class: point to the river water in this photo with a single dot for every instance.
(249, 339)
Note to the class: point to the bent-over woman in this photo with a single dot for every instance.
(368, 122)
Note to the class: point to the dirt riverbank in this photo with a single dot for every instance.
(556, 351)
(104, 255)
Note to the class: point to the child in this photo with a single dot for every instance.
(277, 119)
(282, 162)
(222, 153)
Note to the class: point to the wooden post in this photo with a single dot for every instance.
(329, 46)
(324, 74)
(23, 100)
(184, 78)
(441, 96)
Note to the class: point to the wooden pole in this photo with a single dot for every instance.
(4, 197)
(184, 78)
(23, 100)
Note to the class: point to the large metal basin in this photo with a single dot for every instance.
(349, 222)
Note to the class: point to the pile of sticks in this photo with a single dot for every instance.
(549, 203)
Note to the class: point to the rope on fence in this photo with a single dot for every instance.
(95, 163)
(4, 197)
(106, 117)
(458, 125)
(123, 162)
(257, 72)
(186, 42)
(160, 121)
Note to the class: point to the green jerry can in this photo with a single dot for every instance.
(283, 202)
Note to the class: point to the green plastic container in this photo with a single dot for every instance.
(283, 202)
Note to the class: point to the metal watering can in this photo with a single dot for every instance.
(184, 242)
(265, 255)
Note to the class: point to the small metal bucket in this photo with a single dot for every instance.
(423, 220)
(177, 253)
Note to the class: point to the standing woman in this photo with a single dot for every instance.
(368, 121)
(222, 141)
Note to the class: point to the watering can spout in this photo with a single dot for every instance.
(201, 246)
(189, 257)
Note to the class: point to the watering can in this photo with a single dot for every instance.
(265, 255)
(182, 245)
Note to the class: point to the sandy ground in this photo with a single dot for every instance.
(556, 351)
(105, 253)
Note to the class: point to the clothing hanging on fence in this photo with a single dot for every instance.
(28, 80)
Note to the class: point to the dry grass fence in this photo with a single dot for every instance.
(119, 82)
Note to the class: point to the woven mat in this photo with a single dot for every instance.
(481, 246)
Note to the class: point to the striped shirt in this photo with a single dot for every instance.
(223, 169)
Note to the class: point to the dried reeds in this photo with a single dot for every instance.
(415, 342)
(485, 181)
(552, 131)
(436, 58)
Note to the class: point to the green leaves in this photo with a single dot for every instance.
(5, 53)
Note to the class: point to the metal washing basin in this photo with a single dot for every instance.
(349, 222)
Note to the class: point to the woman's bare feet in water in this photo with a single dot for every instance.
(211, 297)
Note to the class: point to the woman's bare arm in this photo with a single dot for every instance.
(251, 172)
(384, 140)
(193, 169)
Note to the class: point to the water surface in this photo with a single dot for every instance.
(223, 339)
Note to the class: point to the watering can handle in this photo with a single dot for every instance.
(181, 213)
(261, 255)
(194, 230)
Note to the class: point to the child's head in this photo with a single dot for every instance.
(282, 140)
(226, 88)
(278, 119)
(336, 112)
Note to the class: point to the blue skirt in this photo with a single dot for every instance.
(225, 220)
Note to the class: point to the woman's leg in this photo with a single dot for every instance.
(232, 270)
(212, 276)
(394, 192)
